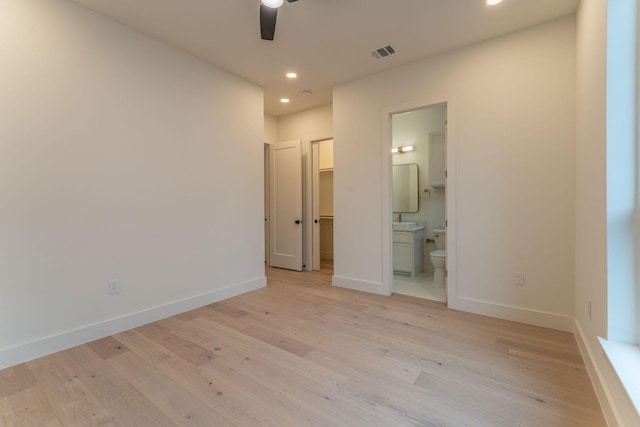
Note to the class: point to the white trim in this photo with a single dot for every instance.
(307, 207)
(54, 343)
(267, 205)
(602, 391)
(625, 360)
(595, 375)
(386, 207)
(515, 314)
(360, 285)
(611, 406)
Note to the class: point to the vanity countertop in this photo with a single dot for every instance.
(409, 230)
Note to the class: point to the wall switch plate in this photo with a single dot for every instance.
(114, 286)
(518, 278)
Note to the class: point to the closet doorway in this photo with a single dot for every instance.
(322, 205)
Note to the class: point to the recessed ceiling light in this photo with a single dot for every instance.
(291, 75)
(493, 2)
(284, 100)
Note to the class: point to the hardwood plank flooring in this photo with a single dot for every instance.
(303, 353)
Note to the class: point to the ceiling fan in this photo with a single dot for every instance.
(268, 16)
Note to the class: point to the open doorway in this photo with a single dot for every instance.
(419, 202)
(295, 219)
(322, 205)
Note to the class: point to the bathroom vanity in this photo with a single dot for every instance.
(407, 249)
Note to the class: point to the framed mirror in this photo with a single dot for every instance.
(405, 188)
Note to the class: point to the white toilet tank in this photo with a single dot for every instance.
(440, 239)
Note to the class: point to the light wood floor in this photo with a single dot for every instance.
(300, 352)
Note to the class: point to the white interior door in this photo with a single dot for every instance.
(286, 205)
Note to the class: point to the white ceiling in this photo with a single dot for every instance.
(327, 42)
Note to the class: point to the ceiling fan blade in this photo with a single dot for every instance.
(268, 18)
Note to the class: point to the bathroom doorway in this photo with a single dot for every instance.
(419, 200)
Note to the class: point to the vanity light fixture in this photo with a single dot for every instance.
(493, 2)
(404, 149)
(284, 100)
(291, 75)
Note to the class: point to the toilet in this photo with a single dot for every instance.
(438, 257)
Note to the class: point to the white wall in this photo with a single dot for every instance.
(511, 112)
(591, 209)
(270, 129)
(120, 158)
(308, 126)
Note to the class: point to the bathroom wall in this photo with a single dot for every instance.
(120, 158)
(511, 133)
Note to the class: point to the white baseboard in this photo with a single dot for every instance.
(51, 344)
(513, 313)
(602, 391)
(359, 285)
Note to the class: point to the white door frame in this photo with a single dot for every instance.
(267, 206)
(450, 192)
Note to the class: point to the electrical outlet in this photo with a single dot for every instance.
(114, 286)
(589, 309)
(518, 278)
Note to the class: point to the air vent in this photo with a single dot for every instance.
(383, 52)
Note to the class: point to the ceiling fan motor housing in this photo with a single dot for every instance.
(268, 18)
